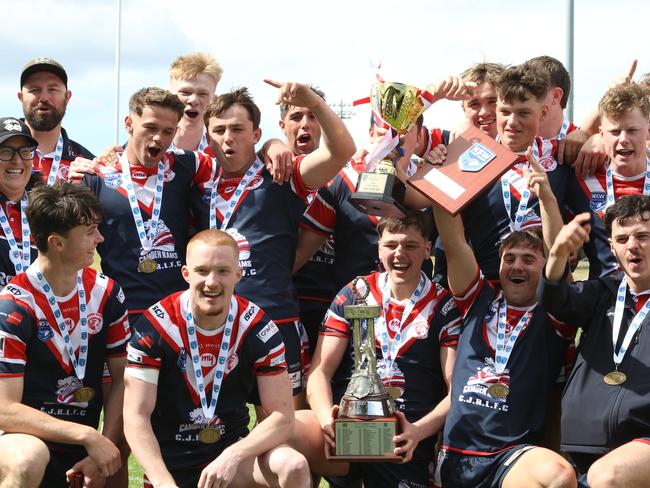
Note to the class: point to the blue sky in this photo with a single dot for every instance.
(329, 44)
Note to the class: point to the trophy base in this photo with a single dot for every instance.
(365, 440)
(379, 194)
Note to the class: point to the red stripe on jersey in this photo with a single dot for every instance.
(297, 184)
(466, 298)
(476, 453)
(336, 323)
(321, 215)
(12, 349)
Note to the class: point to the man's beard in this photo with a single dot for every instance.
(46, 121)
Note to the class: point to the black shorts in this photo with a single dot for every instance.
(60, 462)
(296, 355)
(184, 478)
(312, 313)
(384, 475)
(456, 469)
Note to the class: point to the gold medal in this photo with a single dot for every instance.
(615, 378)
(209, 435)
(498, 390)
(394, 392)
(147, 266)
(84, 394)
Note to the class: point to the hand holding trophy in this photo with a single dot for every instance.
(395, 107)
(366, 422)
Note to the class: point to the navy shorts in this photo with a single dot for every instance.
(456, 469)
(383, 475)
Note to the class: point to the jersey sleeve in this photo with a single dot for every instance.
(466, 298)
(205, 168)
(296, 181)
(448, 319)
(335, 324)
(16, 329)
(267, 347)
(320, 216)
(116, 316)
(143, 350)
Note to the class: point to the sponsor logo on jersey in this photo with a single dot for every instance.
(208, 360)
(475, 158)
(2, 346)
(447, 307)
(255, 182)
(394, 325)
(120, 296)
(95, 323)
(44, 330)
(14, 318)
(267, 332)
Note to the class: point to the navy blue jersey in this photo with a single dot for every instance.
(477, 423)
(31, 345)
(160, 343)
(12, 212)
(71, 150)
(265, 225)
(486, 220)
(122, 251)
(433, 323)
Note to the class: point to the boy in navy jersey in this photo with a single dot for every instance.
(508, 359)
(416, 337)
(605, 407)
(59, 322)
(193, 360)
(239, 197)
(44, 96)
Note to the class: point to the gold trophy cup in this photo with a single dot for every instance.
(366, 423)
(380, 192)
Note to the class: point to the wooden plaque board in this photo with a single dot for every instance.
(454, 184)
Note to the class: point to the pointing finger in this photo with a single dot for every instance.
(274, 83)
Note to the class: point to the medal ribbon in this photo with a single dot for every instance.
(146, 239)
(504, 347)
(525, 196)
(208, 410)
(256, 168)
(20, 256)
(618, 318)
(609, 182)
(204, 141)
(56, 162)
(79, 364)
(389, 349)
(563, 130)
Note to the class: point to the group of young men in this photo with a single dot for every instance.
(226, 273)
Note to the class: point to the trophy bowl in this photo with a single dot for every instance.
(380, 192)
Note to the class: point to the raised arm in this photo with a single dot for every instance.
(570, 239)
(308, 243)
(320, 166)
(461, 263)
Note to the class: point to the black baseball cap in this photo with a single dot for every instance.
(10, 127)
(43, 64)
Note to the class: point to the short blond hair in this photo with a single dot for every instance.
(213, 237)
(623, 98)
(192, 65)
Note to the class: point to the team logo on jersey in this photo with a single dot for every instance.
(112, 179)
(232, 363)
(95, 323)
(162, 241)
(169, 175)
(475, 158)
(44, 330)
(66, 389)
(64, 170)
(197, 417)
(394, 325)
(391, 375)
(597, 201)
(255, 182)
(548, 163)
(484, 377)
(242, 242)
(267, 332)
(420, 329)
(182, 359)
